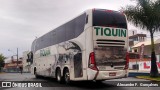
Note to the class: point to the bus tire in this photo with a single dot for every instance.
(35, 73)
(66, 76)
(100, 81)
(58, 76)
(37, 76)
(35, 70)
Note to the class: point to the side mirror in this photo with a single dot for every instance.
(30, 57)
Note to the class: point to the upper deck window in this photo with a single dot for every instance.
(109, 19)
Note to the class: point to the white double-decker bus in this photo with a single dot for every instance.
(92, 46)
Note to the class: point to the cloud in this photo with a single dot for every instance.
(23, 20)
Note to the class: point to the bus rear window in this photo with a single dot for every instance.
(104, 55)
(109, 19)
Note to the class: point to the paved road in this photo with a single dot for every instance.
(53, 85)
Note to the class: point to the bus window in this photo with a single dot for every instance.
(105, 55)
(109, 19)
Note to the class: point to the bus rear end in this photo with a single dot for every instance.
(109, 58)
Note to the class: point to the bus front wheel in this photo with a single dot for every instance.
(35, 73)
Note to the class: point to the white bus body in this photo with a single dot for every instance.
(92, 46)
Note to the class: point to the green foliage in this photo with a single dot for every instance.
(146, 15)
(2, 60)
(149, 78)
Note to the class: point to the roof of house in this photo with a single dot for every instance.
(148, 42)
(9, 60)
(141, 35)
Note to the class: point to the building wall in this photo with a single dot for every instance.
(147, 65)
(147, 49)
(12, 66)
(143, 65)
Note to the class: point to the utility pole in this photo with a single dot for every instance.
(17, 57)
(17, 60)
(15, 54)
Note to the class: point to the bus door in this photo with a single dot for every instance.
(77, 66)
(78, 71)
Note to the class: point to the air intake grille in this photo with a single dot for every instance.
(101, 42)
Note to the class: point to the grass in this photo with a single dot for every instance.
(149, 78)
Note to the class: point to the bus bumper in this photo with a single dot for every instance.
(105, 75)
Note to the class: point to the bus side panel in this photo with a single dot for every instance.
(89, 45)
(44, 63)
(89, 49)
(80, 41)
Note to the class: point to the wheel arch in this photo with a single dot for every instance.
(65, 68)
(57, 68)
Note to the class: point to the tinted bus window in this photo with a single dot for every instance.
(109, 19)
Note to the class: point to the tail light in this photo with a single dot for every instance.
(127, 61)
(92, 63)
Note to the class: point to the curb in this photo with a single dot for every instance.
(134, 74)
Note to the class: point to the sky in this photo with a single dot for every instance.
(21, 21)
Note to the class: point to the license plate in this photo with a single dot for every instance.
(112, 74)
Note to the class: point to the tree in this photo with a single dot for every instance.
(146, 15)
(1, 61)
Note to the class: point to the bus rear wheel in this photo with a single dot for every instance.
(37, 76)
(58, 76)
(100, 81)
(66, 76)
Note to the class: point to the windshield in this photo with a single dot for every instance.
(110, 54)
(109, 19)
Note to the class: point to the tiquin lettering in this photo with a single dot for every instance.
(110, 31)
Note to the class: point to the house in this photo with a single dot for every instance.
(140, 52)
(12, 65)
